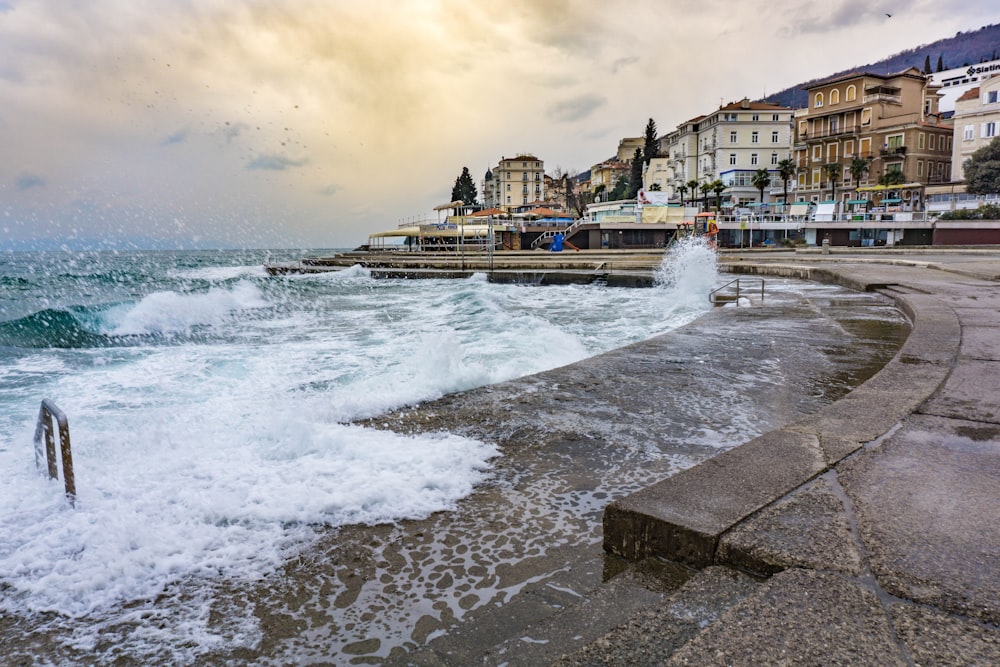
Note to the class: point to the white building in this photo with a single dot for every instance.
(729, 144)
(957, 81)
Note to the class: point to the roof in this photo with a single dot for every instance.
(970, 94)
(485, 212)
(753, 106)
(911, 72)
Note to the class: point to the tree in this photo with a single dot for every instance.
(465, 189)
(927, 64)
(859, 167)
(620, 189)
(892, 177)
(600, 190)
(940, 65)
(832, 172)
(650, 146)
(982, 170)
(705, 188)
(786, 171)
(692, 187)
(635, 175)
(718, 187)
(761, 180)
(682, 188)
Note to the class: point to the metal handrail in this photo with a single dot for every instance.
(43, 431)
(712, 295)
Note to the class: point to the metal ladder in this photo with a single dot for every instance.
(715, 298)
(44, 432)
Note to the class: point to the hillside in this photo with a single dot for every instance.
(965, 48)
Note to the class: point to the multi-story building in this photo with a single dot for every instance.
(606, 174)
(514, 183)
(730, 144)
(890, 122)
(977, 123)
(627, 146)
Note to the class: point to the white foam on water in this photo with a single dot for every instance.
(214, 459)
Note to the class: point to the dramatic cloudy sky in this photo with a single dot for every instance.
(256, 123)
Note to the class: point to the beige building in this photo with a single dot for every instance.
(890, 121)
(977, 123)
(730, 144)
(607, 174)
(514, 183)
(627, 146)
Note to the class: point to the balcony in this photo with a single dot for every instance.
(883, 97)
(897, 151)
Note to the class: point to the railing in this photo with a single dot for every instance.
(715, 298)
(44, 432)
(565, 232)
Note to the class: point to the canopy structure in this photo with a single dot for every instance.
(881, 188)
(858, 202)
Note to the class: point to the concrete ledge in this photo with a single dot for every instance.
(682, 518)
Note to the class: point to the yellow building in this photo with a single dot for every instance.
(514, 183)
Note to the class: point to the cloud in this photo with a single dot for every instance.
(575, 108)
(178, 137)
(5, 6)
(623, 62)
(274, 162)
(330, 190)
(28, 182)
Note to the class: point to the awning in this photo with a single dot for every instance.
(892, 201)
(858, 201)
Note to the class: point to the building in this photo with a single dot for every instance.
(514, 183)
(628, 146)
(889, 125)
(976, 121)
(604, 176)
(730, 145)
(956, 82)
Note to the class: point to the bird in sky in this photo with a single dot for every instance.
(889, 15)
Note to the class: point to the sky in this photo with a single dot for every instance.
(263, 124)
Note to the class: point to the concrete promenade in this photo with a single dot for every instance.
(876, 520)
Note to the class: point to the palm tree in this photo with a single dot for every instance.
(787, 170)
(859, 167)
(692, 187)
(705, 189)
(718, 187)
(761, 180)
(682, 188)
(832, 173)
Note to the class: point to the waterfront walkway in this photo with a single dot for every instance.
(877, 519)
(867, 533)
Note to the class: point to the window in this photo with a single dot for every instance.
(852, 93)
(832, 152)
(920, 167)
(815, 175)
(895, 141)
(866, 116)
(775, 117)
(774, 158)
(524, 176)
(755, 117)
(508, 187)
(732, 136)
(774, 137)
(818, 100)
(732, 158)
(835, 96)
(817, 153)
(802, 179)
(847, 174)
(920, 140)
(802, 128)
(991, 97)
(849, 148)
(753, 159)
(755, 137)
(990, 129)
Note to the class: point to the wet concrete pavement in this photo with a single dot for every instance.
(877, 518)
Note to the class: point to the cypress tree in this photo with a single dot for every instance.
(927, 64)
(940, 65)
(465, 189)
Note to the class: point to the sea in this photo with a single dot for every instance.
(214, 417)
